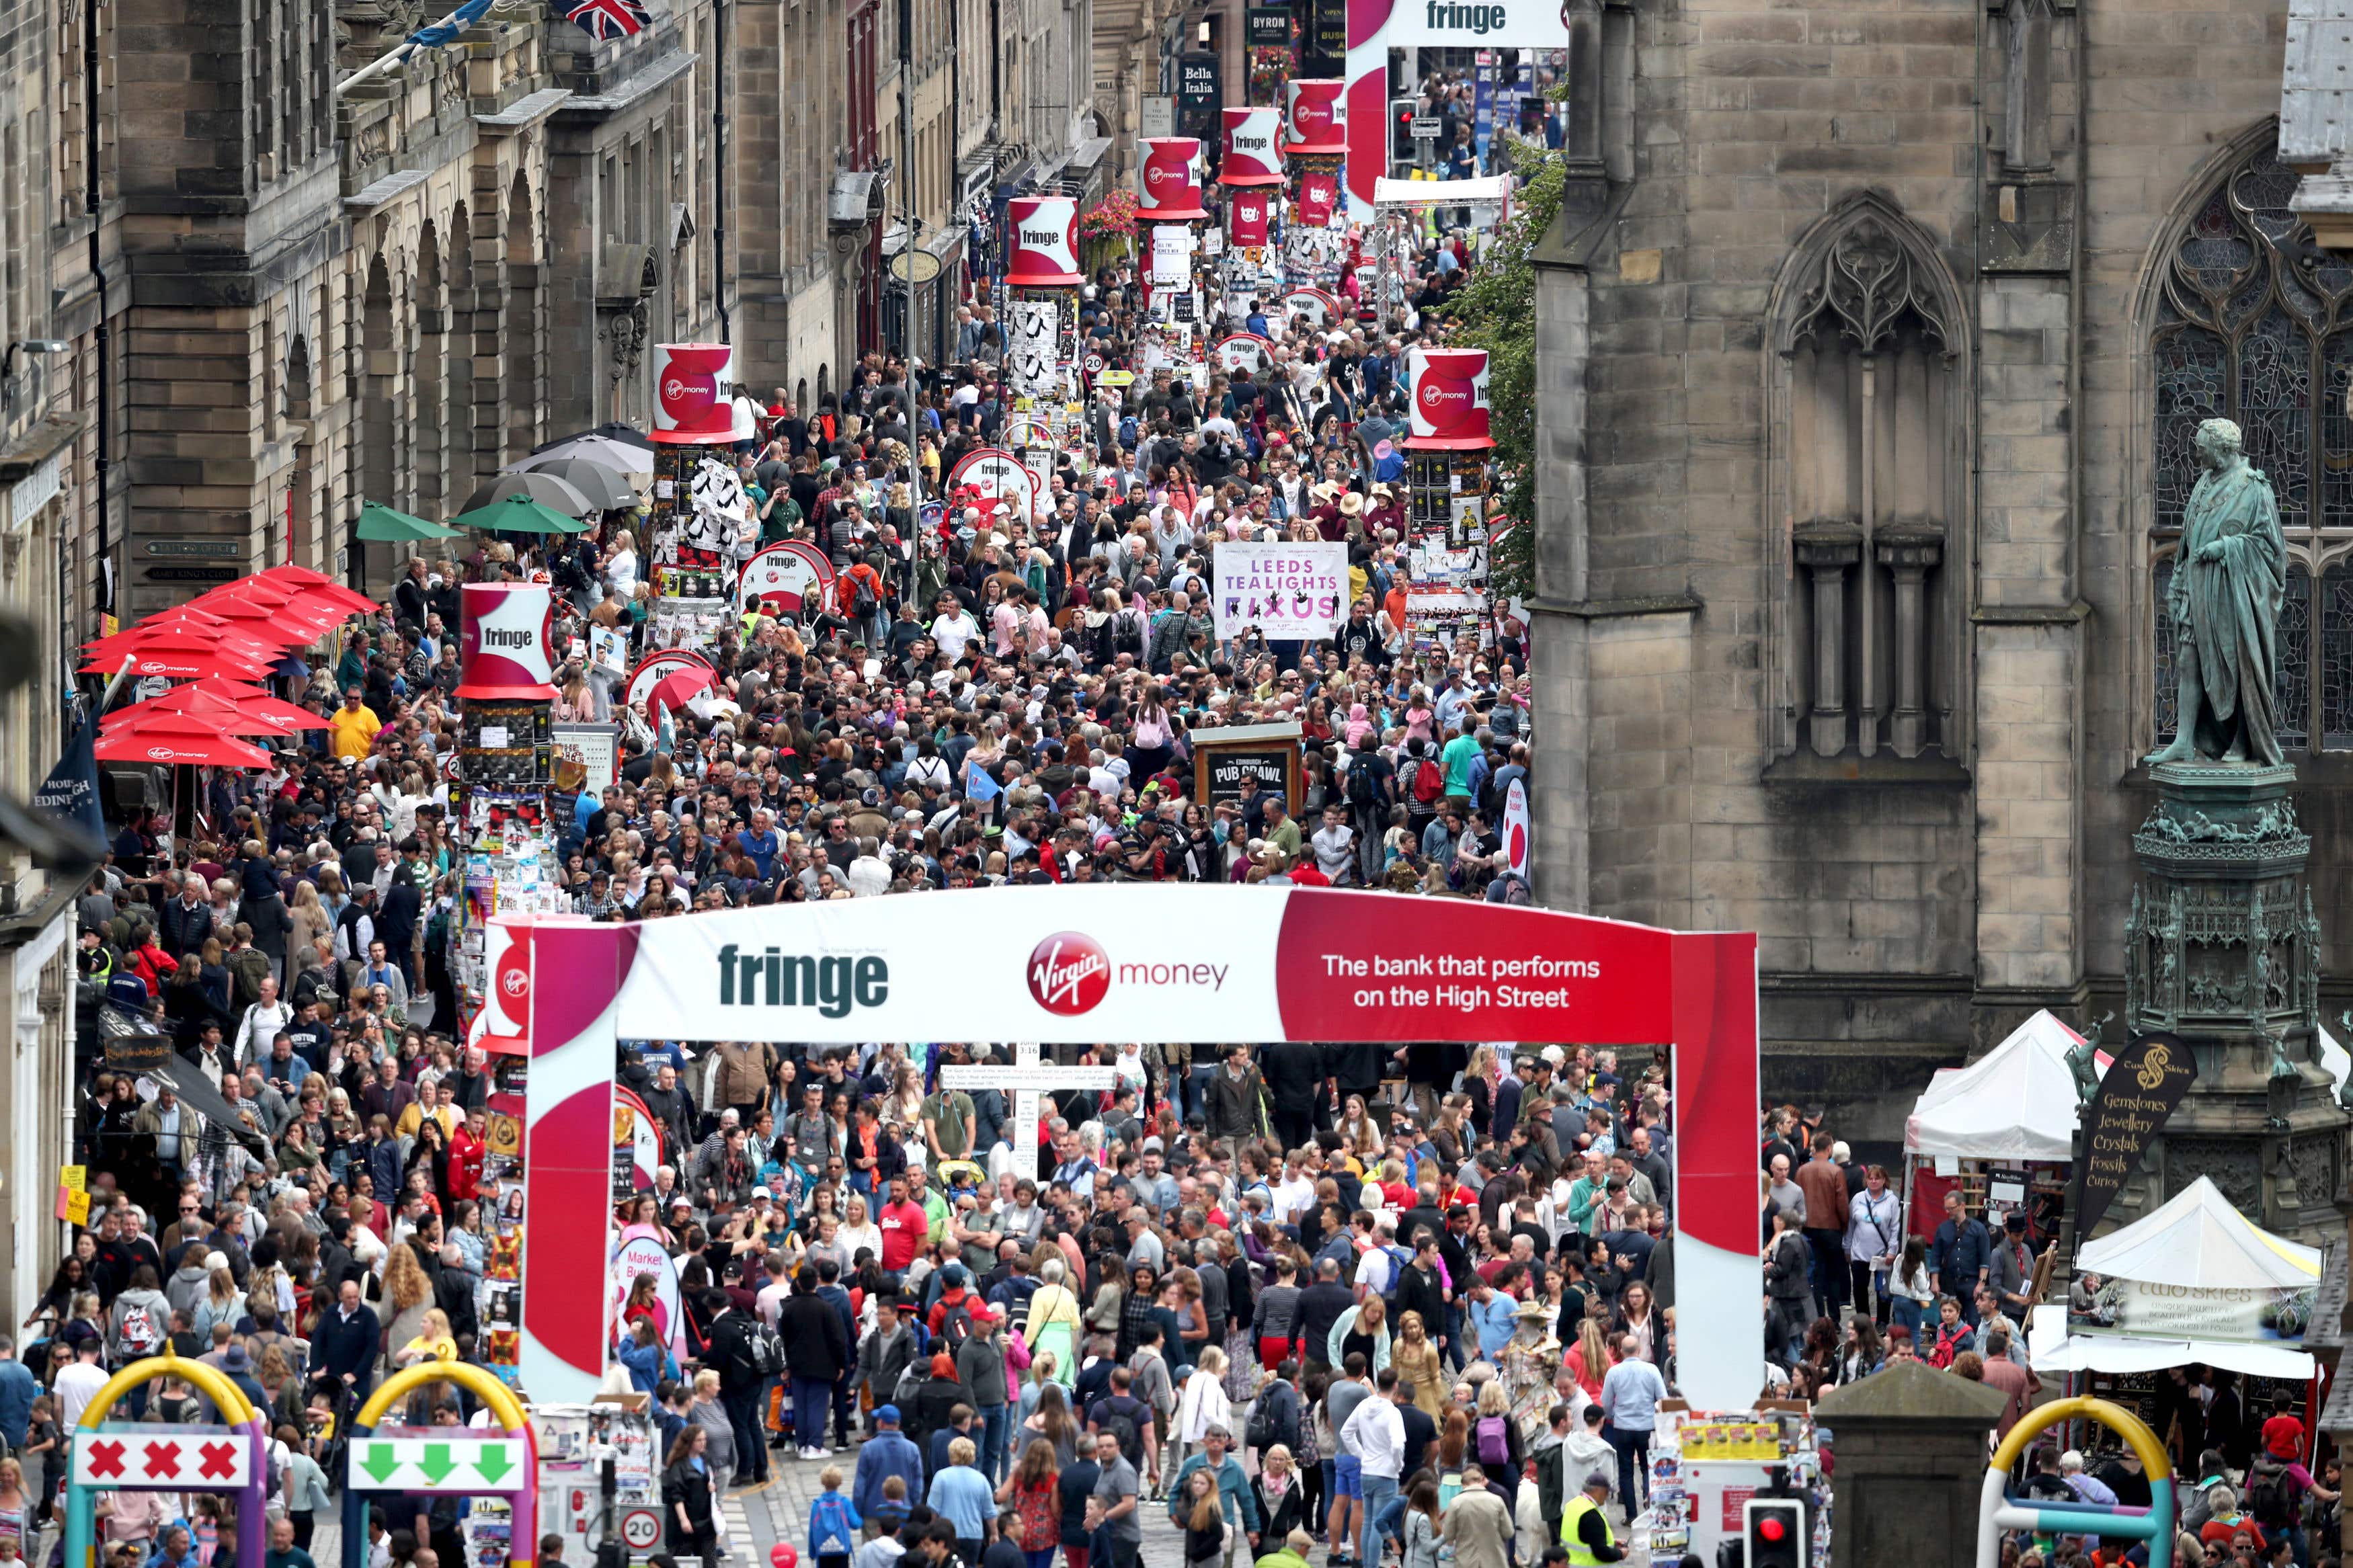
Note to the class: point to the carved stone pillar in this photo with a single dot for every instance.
(1910, 551)
(2026, 108)
(1829, 551)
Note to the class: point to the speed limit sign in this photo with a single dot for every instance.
(1094, 365)
(641, 1529)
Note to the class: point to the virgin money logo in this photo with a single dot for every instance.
(160, 753)
(1069, 973)
(1434, 395)
(673, 389)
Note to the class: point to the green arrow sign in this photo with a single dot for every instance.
(420, 1464)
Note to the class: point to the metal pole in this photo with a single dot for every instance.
(907, 159)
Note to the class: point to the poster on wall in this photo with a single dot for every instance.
(1287, 590)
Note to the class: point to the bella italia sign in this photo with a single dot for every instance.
(2143, 1086)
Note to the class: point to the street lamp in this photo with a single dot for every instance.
(8, 362)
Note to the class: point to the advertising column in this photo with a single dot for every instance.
(1250, 176)
(498, 803)
(1168, 202)
(1041, 280)
(1446, 484)
(1316, 149)
(700, 530)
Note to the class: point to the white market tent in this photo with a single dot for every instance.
(2196, 1241)
(2017, 1102)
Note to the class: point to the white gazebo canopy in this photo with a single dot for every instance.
(2015, 1102)
(2197, 1241)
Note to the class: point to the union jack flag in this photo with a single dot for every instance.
(608, 19)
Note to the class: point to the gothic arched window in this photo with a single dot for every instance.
(2255, 324)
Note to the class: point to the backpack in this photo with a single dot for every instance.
(829, 1531)
(1361, 788)
(956, 1327)
(911, 1383)
(1429, 783)
(1494, 1445)
(767, 1351)
(1272, 1421)
(862, 601)
(2267, 1497)
(138, 1331)
(1122, 1425)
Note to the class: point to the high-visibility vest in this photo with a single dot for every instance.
(1580, 1554)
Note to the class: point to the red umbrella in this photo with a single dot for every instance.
(177, 738)
(673, 690)
(272, 594)
(181, 655)
(275, 631)
(205, 706)
(316, 585)
(256, 703)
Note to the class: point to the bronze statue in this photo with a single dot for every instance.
(2224, 600)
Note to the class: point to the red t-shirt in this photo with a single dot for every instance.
(902, 1226)
(2283, 1438)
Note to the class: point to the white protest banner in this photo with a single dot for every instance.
(1289, 590)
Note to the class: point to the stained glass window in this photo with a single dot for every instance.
(2292, 686)
(2168, 709)
(2247, 330)
(2336, 658)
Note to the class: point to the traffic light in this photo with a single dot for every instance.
(1774, 1530)
(1401, 113)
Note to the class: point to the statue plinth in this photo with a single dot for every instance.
(2222, 948)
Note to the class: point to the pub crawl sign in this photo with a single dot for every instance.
(2142, 1088)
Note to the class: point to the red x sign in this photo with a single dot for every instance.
(106, 1458)
(219, 1460)
(163, 1460)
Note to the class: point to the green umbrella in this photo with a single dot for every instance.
(518, 514)
(380, 522)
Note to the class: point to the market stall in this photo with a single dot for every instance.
(2195, 1283)
(2000, 1130)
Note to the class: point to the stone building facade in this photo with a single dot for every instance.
(1868, 350)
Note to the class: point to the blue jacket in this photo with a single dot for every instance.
(1233, 1488)
(17, 1388)
(882, 1456)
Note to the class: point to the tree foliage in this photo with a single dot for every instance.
(1497, 311)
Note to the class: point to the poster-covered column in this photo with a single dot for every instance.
(1250, 177)
(1315, 154)
(1041, 369)
(1446, 449)
(700, 530)
(499, 804)
(1169, 201)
